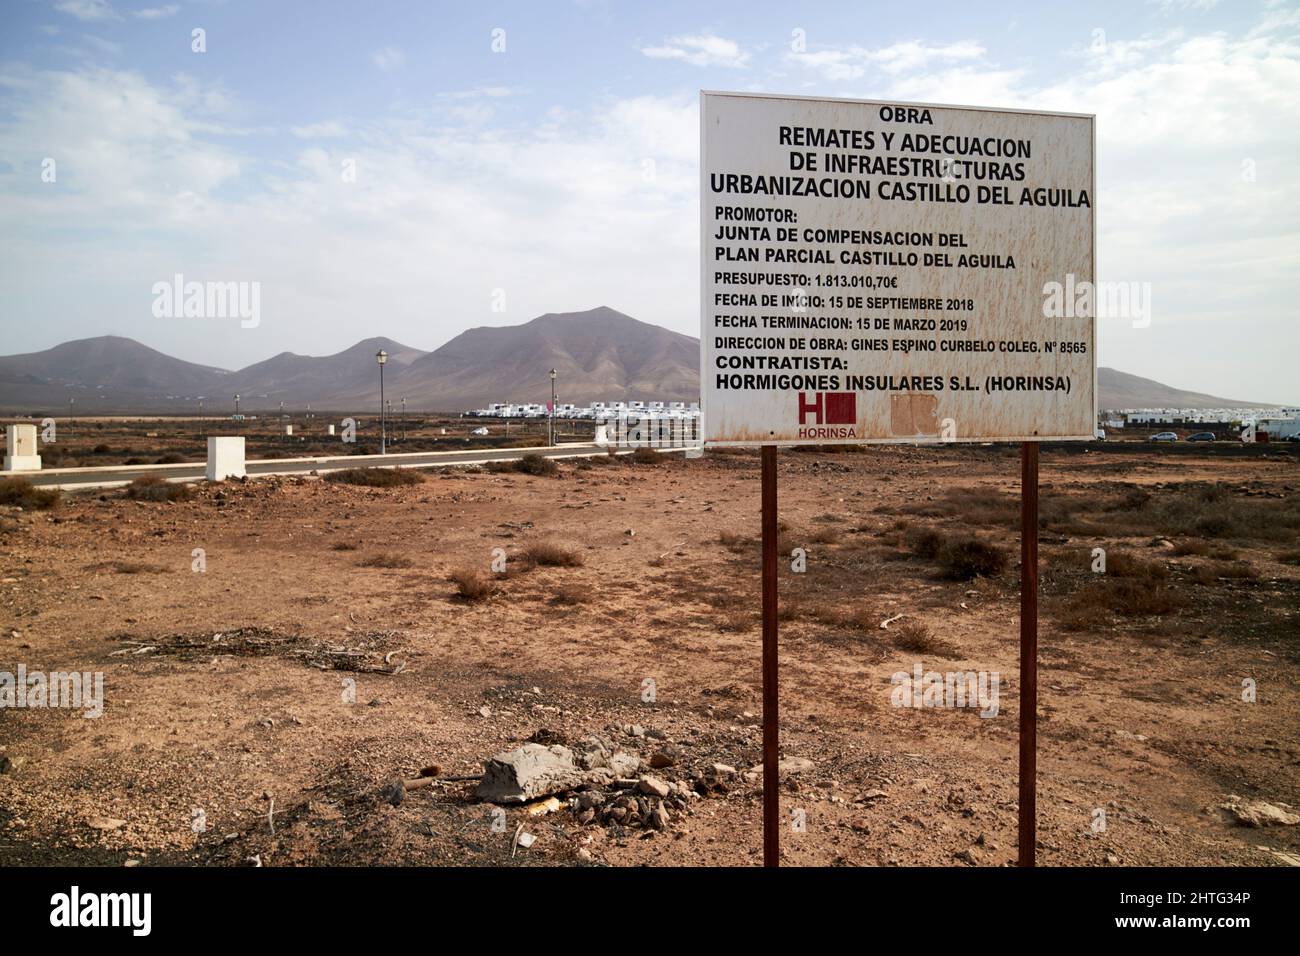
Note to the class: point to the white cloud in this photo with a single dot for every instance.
(388, 58)
(156, 13)
(438, 217)
(90, 10)
(853, 62)
(329, 129)
(103, 46)
(700, 50)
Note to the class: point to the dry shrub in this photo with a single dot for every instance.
(472, 585)
(1210, 574)
(925, 543)
(134, 567)
(735, 542)
(1120, 564)
(968, 557)
(171, 458)
(344, 546)
(21, 493)
(915, 637)
(153, 488)
(386, 559)
(375, 477)
(1093, 604)
(645, 456)
(571, 594)
(535, 464)
(825, 536)
(1288, 557)
(551, 555)
(736, 619)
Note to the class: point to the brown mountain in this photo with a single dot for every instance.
(321, 380)
(1116, 389)
(599, 354)
(108, 373)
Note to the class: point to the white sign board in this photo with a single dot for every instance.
(882, 272)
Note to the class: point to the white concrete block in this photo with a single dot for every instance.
(288, 429)
(331, 430)
(225, 458)
(20, 448)
(601, 437)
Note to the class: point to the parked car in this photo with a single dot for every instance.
(1165, 436)
(1202, 436)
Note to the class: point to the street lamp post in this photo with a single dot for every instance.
(552, 438)
(382, 358)
(403, 418)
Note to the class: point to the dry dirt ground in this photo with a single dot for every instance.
(229, 733)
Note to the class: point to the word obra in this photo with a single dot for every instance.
(955, 689)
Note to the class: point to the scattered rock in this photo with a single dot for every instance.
(529, 772)
(666, 756)
(653, 786)
(105, 823)
(1257, 813)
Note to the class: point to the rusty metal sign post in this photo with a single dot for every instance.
(1028, 650)
(771, 756)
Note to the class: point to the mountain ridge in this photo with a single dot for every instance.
(598, 354)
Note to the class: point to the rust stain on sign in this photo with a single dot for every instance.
(914, 415)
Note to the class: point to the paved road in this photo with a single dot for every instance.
(113, 476)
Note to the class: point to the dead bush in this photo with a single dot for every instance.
(20, 492)
(551, 555)
(153, 488)
(1120, 564)
(963, 558)
(375, 477)
(825, 536)
(571, 594)
(1210, 574)
(645, 456)
(1092, 605)
(915, 637)
(472, 585)
(386, 559)
(535, 464)
(734, 541)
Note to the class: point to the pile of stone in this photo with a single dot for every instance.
(604, 784)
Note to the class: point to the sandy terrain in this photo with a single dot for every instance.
(1141, 709)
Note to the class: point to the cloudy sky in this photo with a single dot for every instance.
(416, 169)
